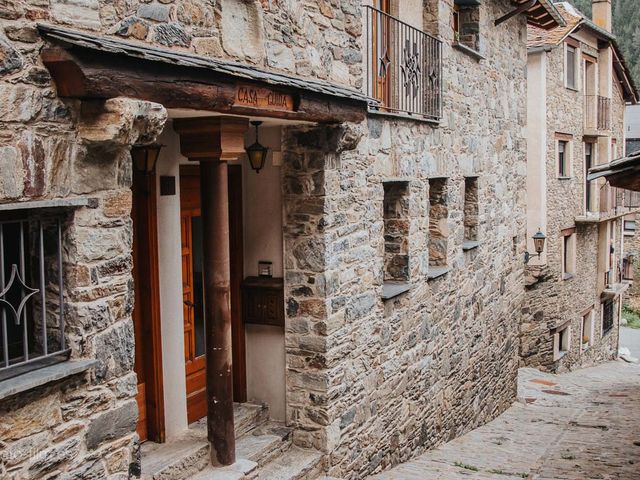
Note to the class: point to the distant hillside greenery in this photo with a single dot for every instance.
(626, 27)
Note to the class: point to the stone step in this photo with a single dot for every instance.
(264, 443)
(238, 471)
(294, 464)
(188, 454)
(246, 417)
(178, 459)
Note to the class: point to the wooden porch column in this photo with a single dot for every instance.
(213, 141)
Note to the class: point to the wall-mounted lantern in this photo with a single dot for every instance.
(145, 157)
(538, 243)
(256, 152)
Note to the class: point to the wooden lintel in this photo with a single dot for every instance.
(211, 138)
(86, 74)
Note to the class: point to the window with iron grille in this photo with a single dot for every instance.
(31, 293)
(607, 316)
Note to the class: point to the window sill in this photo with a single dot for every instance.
(565, 178)
(470, 245)
(560, 355)
(43, 376)
(468, 50)
(436, 272)
(568, 276)
(393, 289)
(404, 116)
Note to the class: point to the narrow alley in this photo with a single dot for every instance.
(578, 425)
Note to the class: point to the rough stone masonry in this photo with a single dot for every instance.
(370, 383)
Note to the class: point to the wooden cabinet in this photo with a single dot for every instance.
(263, 301)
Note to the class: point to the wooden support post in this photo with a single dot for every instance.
(213, 141)
(217, 307)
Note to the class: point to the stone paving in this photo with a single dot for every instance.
(579, 425)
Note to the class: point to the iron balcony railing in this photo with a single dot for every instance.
(404, 67)
(597, 110)
(31, 295)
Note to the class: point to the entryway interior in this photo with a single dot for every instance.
(168, 312)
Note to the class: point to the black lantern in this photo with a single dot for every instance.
(538, 243)
(256, 152)
(145, 157)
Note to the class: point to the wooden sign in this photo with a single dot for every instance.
(263, 98)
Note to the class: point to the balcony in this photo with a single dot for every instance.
(613, 284)
(597, 115)
(404, 68)
(607, 202)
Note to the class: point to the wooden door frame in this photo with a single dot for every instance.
(144, 215)
(236, 242)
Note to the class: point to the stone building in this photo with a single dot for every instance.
(361, 280)
(578, 87)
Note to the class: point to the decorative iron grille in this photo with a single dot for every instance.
(404, 67)
(31, 295)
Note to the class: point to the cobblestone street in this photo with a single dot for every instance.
(580, 425)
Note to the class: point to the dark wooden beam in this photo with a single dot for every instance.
(629, 180)
(86, 74)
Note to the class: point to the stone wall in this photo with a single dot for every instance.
(372, 382)
(553, 300)
(83, 426)
(632, 246)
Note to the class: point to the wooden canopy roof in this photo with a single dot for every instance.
(621, 173)
(84, 65)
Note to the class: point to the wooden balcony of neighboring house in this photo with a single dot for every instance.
(403, 68)
(607, 203)
(614, 284)
(597, 115)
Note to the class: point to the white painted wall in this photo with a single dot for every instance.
(262, 205)
(536, 150)
(170, 267)
(262, 209)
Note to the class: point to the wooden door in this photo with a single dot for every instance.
(382, 52)
(192, 288)
(146, 310)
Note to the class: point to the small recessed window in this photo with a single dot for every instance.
(607, 317)
(629, 227)
(571, 67)
(438, 228)
(561, 342)
(396, 231)
(466, 24)
(563, 158)
(568, 253)
(470, 209)
(587, 330)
